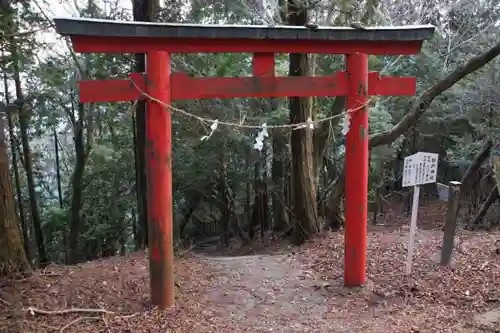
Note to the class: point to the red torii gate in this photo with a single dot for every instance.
(159, 40)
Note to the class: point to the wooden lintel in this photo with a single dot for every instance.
(184, 87)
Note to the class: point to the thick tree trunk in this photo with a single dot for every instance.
(304, 192)
(12, 44)
(76, 183)
(12, 255)
(143, 10)
(15, 168)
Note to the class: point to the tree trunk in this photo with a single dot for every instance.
(15, 168)
(28, 166)
(59, 193)
(192, 205)
(261, 201)
(76, 182)
(58, 170)
(143, 10)
(6, 7)
(304, 208)
(465, 182)
(326, 175)
(252, 211)
(495, 164)
(141, 224)
(235, 223)
(280, 215)
(225, 215)
(289, 183)
(247, 207)
(492, 197)
(334, 213)
(479, 159)
(12, 255)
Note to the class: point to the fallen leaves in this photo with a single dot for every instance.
(106, 295)
(436, 296)
(299, 291)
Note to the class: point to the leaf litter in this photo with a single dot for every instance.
(293, 290)
(434, 299)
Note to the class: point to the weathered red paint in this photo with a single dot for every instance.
(263, 66)
(155, 254)
(356, 161)
(100, 44)
(257, 86)
(159, 179)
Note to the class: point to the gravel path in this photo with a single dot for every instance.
(270, 294)
(264, 293)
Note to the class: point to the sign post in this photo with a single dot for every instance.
(418, 169)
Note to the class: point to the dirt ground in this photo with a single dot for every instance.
(291, 290)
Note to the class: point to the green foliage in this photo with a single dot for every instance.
(54, 227)
(455, 125)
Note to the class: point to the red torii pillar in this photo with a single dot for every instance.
(159, 179)
(356, 168)
(160, 40)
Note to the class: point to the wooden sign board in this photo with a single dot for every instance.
(420, 169)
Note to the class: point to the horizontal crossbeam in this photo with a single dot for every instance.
(119, 29)
(96, 44)
(184, 87)
(105, 36)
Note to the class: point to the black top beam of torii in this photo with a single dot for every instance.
(96, 27)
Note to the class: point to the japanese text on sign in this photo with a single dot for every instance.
(419, 169)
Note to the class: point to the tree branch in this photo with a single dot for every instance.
(476, 164)
(421, 104)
